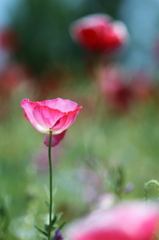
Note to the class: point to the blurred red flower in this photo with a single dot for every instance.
(12, 76)
(8, 39)
(125, 221)
(143, 85)
(55, 115)
(98, 32)
(117, 92)
(121, 89)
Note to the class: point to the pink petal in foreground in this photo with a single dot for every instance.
(134, 220)
(66, 121)
(63, 105)
(56, 139)
(50, 115)
(46, 117)
(28, 109)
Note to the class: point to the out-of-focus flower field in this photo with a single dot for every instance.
(99, 140)
(111, 150)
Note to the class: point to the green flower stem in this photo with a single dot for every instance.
(50, 169)
(154, 182)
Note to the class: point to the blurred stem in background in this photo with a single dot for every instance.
(147, 185)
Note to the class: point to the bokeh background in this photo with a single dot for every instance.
(115, 139)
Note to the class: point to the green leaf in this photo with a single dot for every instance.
(62, 225)
(41, 231)
(59, 215)
(47, 204)
(54, 220)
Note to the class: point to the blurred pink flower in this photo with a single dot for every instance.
(117, 92)
(125, 221)
(55, 115)
(98, 32)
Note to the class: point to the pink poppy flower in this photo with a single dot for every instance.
(55, 115)
(97, 32)
(125, 221)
